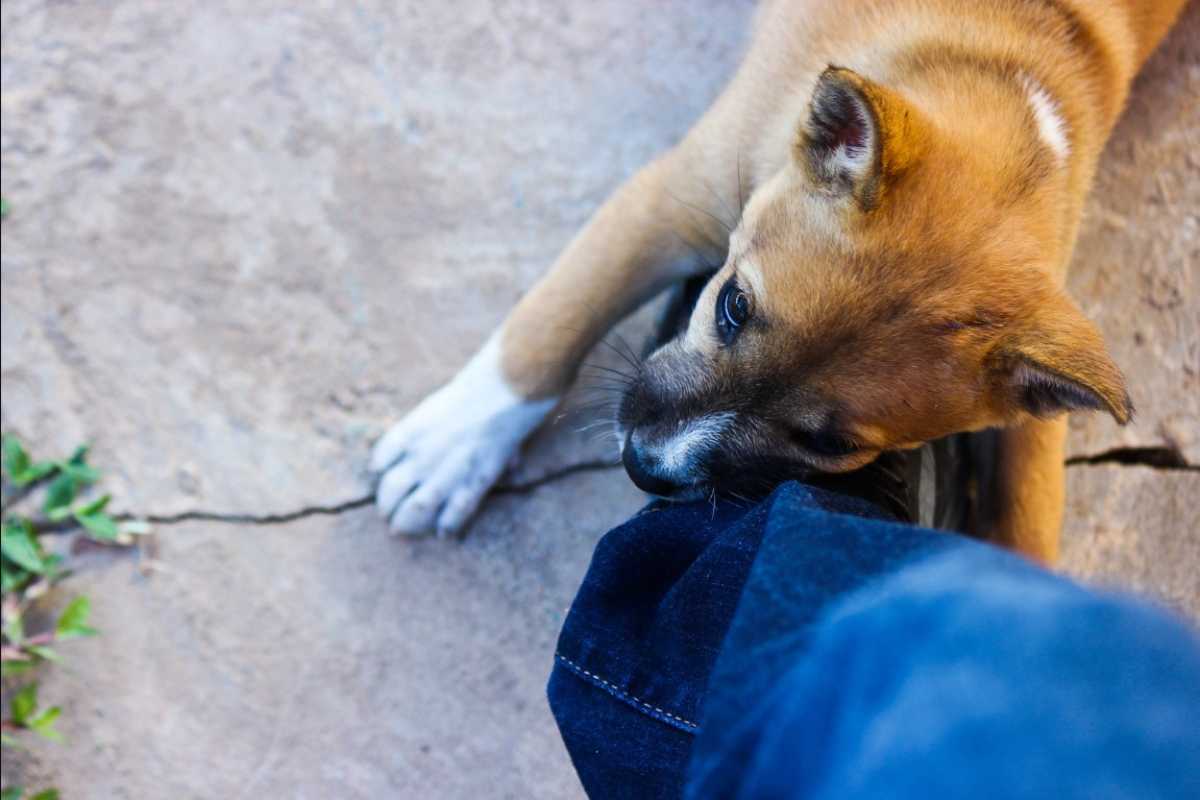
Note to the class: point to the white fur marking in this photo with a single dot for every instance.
(443, 457)
(1052, 129)
(679, 454)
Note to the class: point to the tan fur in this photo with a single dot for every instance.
(913, 306)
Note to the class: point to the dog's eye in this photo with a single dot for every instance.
(831, 445)
(733, 309)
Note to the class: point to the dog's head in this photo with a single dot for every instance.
(889, 286)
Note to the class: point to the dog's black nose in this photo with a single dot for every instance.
(642, 471)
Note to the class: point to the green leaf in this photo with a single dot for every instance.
(19, 545)
(44, 724)
(53, 564)
(46, 794)
(12, 792)
(12, 576)
(76, 613)
(59, 496)
(78, 633)
(8, 741)
(14, 630)
(10, 668)
(37, 471)
(72, 623)
(21, 469)
(82, 473)
(94, 506)
(15, 459)
(4, 209)
(47, 653)
(77, 467)
(23, 704)
(100, 526)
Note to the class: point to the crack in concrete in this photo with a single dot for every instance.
(1161, 458)
(282, 518)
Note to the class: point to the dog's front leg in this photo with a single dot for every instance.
(440, 460)
(1029, 505)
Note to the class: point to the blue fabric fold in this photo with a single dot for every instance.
(809, 647)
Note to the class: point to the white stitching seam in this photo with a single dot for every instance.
(623, 694)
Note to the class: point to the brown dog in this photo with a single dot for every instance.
(911, 175)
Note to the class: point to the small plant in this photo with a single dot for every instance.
(28, 571)
(16, 793)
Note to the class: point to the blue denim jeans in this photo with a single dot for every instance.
(808, 646)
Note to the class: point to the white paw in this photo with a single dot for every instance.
(439, 462)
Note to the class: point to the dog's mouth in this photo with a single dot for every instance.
(717, 474)
(649, 474)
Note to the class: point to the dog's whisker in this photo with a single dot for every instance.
(716, 196)
(612, 370)
(591, 407)
(700, 210)
(633, 355)
(609, 385)
(633, 362)
(604, 423)
(607, 372)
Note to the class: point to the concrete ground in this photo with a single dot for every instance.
(245, 237)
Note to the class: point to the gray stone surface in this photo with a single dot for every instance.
(1135, 528)
(1135, 270)
(245, 237)
(322, 659)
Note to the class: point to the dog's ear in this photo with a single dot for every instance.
(858, 135)
(1053, 359)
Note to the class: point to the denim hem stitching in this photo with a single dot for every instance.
(623, 695)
